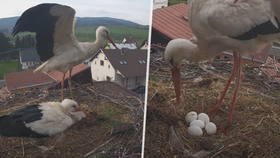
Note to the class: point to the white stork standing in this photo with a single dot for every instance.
(56, 44)
(41, 120)
(244, 27)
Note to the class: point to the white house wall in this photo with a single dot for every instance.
(100, 73)
(160, 3)
(130, 82)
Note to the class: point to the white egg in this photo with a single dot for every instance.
(194, 130)
(204, 117)
(198, 123)
(211, 128)
(191, 116)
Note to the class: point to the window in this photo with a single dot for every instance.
(105, 58)
(121, 62)
(108, 66)
(124, 62)
(140, 61)
(143, 61)
(101, 62)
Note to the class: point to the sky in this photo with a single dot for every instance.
(133, 10)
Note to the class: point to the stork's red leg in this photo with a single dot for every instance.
(62, 87)
(239, 78)
(70, 84)
(214, 109)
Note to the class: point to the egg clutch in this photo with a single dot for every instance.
(198, 122)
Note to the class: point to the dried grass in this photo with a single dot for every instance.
(255, 130)
(115, 120)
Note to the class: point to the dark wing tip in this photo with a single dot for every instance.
(30, 17)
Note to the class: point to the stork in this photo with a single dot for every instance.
(220, 25)
(41, 120)
(56, 44)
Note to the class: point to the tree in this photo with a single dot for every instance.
(18, 42)
(5, 45)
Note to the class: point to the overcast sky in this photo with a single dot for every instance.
(133, 10)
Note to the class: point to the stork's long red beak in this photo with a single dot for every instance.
(78, 109)
(176, 75)
(111, 40)
(235, 1)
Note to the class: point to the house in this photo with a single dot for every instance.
(26, 80)
(176, 25)
(29, 59)
(160, 4)
(129, 39)
(126, 67)
(121, 45)
(144, 45)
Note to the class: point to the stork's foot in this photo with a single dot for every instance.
(213, 110)
(225, 129)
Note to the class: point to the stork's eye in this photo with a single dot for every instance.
(172, 62)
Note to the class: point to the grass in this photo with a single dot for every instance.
(87, 33)
(7, 67)
(172, 2)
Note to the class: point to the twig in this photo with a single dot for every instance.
(22, 148)
(259, 122)
(91, 152)
(152, 96)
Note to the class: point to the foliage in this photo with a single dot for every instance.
(172, 2)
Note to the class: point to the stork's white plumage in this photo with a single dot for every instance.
(275, 12)
(218, 25)
(56, 44)
(42, 120)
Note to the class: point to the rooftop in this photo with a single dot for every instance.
(25, 79)
(172, 21)
(126, 60)
(122, 45)
(29, 55)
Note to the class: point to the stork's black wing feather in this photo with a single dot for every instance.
(14, 124)
(38, 19)
(266, 28)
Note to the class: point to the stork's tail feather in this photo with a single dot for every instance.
(40, 68)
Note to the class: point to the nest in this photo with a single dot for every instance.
(255, 129)
(116, 131)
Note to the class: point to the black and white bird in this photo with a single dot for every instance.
(219, 25)
(41, 120)
(56, 44)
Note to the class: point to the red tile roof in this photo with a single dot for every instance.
(24, 79)
(56, 75)
(271, 71)
(171, 21)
